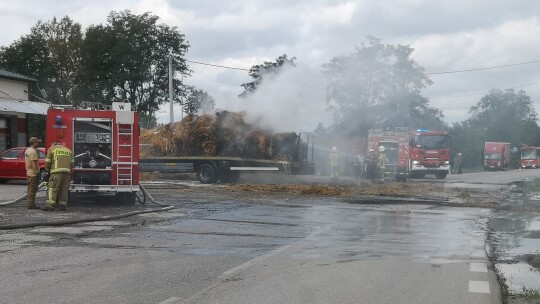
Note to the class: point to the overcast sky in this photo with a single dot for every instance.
(446, 35)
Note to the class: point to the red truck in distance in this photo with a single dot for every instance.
(530, 157)
(496, 155)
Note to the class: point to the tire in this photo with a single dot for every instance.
(125, 198)
(417, 175)
(206, 174)
(441, 175)
(42, 174)
(231, 177)
(3, 181)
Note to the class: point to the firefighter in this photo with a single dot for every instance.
(31, 160)
(334, 163)
(371, 164)
(381, 164)
(458, 161)
(58, 163)
(358, 167)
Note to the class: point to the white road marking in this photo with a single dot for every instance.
(479, 286)
(170, 300)
(254, 261)
(478, 267)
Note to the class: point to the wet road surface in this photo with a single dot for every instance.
(225, 250)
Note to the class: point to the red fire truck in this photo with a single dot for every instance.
(429, 153)
(105, 145)
(396, 145)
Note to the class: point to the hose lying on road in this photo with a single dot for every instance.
(164, 207)
(20, 198)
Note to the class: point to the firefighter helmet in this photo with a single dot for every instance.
(381, 149)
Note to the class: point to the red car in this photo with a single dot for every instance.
(12, 163)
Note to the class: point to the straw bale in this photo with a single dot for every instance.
(231, 133)
(156, 142)
(284, 146)
(225, 134)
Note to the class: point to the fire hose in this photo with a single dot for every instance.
(146, 194)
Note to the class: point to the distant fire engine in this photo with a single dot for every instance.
(413, 154)
(105, 145)
(396, 144)
(429, 153)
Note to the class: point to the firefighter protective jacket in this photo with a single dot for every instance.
(59, 159)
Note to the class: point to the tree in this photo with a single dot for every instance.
(199, 101)
(379, 85)
(127, 59)
(500, 116)
(30, 56)
(63, 40)
(268, 69)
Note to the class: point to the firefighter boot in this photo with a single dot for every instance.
(47, 208)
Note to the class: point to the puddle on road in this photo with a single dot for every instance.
(520, 277)
(515, 236)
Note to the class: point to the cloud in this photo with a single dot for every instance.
(447, 35)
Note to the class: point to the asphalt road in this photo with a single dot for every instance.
(223, 247)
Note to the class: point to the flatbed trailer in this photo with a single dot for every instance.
(211, 169)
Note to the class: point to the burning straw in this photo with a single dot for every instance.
(224, 134)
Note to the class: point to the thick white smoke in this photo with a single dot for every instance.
(292, 101)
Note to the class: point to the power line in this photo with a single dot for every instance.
(11, 96)
(217, 66)
(486, 68)
(484, 91)
(431, 73)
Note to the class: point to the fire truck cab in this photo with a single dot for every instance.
(105, 146)
(429, 153)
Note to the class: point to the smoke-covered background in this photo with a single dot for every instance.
(446, 35)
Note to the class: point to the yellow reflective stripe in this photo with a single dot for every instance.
(60, 170)
(48, 160)
(50, 194)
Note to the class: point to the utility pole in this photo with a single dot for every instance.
(171, 87)
(182, 98)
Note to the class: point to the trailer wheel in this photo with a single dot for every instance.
(231, 177)
(206, 174)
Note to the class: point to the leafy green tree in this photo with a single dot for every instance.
(379, 85)
(63, 40)
(268, 69)
(198, 101)
(500, 116)
(29, 56)
(127, 59)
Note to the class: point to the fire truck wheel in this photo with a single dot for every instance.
(3, 181)
(206, 174)
(440, 175)
(125, 198)
(418, 175)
